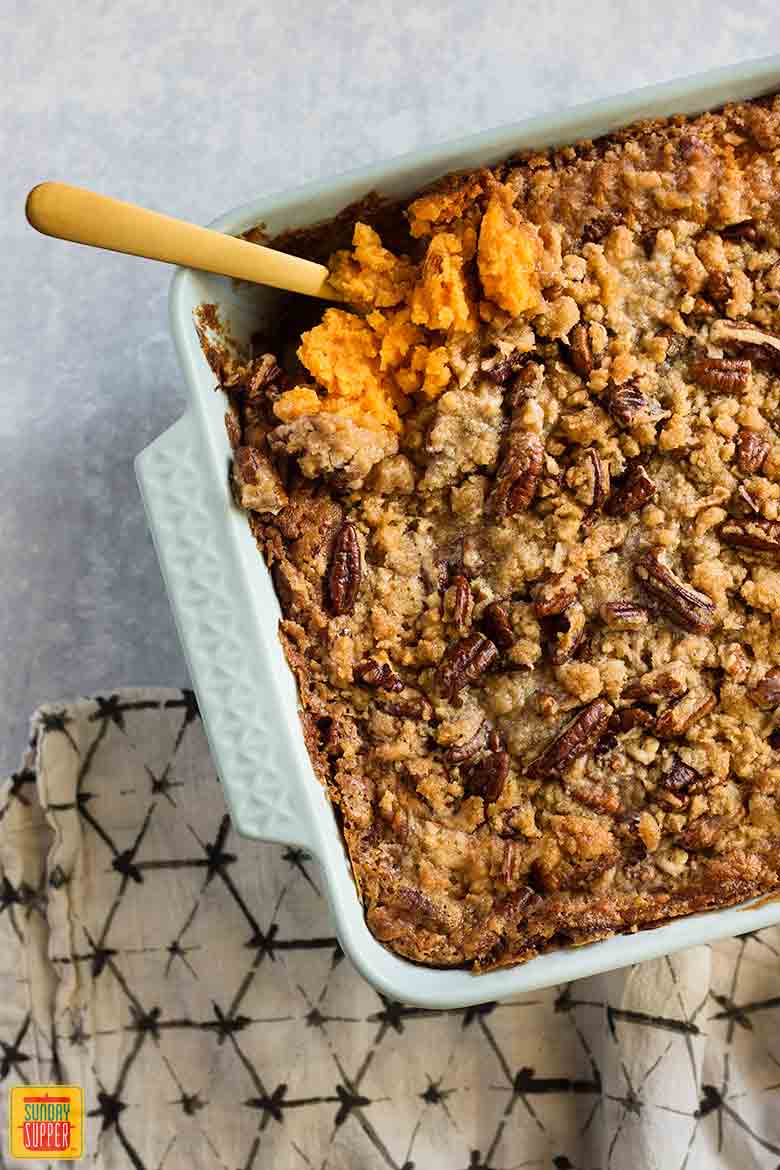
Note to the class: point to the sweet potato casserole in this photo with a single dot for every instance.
(519, 492)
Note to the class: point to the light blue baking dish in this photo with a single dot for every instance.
(223, 601)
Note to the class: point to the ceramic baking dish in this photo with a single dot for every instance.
(225, 608)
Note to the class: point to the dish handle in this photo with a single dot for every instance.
(187, 514)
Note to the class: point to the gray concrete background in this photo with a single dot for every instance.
(193, 108)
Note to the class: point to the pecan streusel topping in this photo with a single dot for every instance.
(520, 497)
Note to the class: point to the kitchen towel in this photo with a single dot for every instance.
(191, 982)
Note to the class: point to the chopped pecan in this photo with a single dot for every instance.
(682, 603)
(702, 833)
(461, 600)
(460, 752)
(753, 342)
(628, 405)
(718, 288)
(605, 745)
(413, 705)
(576, 740)
(568, 632)
(742, 504)
(599, 226)
(496, 624)
(256, 484)
(345, 570)
(766, 693)
(233, 428)
(752, 535)
(624, 615)
(581, 351)
(511, 868)
(518, 475)
(744, 230)
(464, 662)
(629, 718)
(600, 477)
(378, 674)
(682, 779)
(503, 369)
(632, 493)
(655, 685)
(725, 374)
(265, 372)
(752, 450)
(555, 594)
(488, 777)
(683, 712)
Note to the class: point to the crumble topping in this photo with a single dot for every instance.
(520, 498)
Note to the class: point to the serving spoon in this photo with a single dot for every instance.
(84, 217)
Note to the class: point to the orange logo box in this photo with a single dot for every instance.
(46, 1121)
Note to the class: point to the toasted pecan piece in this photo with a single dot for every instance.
(488, 776)
(576, 740)
(682, 603)
(752, 450)
(345, 570)
(766, 693)
(496, 624)
(724, 374)
(754, 534)
(518, 475)
(624, 615)
(636, 490)
(683, 712)
(378, 674)
(464, 661)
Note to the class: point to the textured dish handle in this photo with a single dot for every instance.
(242, 715)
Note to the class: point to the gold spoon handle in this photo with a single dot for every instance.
(71, 213)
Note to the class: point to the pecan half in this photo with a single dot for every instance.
(377, 674)
(682, 603)
(518, 475)
(752, 535)
(624, 615)
(345, 570)
(628, 405)
(568, 632)
(632, 493)
(766, 693)
(749, 339)
(555, 594)
(682, 713)
(460, 752)
(576, 740)
(459, 600)
(600, 476)
(488, 777)
(726, 374)
(581, 351)
(464, 662)
(496, 624)
(752, 450)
